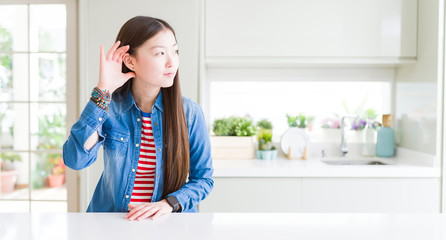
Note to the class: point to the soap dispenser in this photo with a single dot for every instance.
(369, 140)
(385, 138)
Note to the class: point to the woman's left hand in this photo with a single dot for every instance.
(148, 210)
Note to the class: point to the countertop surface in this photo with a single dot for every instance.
(210, 226)
(316, 168)
(408, 164)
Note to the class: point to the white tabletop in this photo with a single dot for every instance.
(210, 226)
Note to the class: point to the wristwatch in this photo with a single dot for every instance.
(172, 201)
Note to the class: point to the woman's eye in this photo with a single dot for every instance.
(160, 53)
(177, 52)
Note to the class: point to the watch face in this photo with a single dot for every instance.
(173, 202)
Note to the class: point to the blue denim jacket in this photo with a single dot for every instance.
(119, 132)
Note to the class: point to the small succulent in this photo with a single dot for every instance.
(265, 140)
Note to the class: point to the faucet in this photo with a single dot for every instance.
(343, 148)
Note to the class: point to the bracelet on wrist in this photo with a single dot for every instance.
(101, 98)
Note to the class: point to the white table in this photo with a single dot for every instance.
(210, 226)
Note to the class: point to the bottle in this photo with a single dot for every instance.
(386, 138)
(368, 140)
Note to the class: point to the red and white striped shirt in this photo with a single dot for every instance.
(145, 173)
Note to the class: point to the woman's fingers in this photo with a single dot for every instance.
(141, 213)
(134, 210)
(148, 210)
(131, 206)
(101, 53)
(120, 57)
(158, 214)
(117, 56)
(148, 213)
(112, 50)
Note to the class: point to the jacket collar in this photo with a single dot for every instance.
(130, 101)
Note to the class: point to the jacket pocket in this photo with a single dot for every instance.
(116, 143)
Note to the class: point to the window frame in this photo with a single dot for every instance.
(72, 90)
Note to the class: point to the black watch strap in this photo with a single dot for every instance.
(174, 203)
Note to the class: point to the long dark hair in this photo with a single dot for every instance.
(135, 32)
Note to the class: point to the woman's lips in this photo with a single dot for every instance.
(169, 74)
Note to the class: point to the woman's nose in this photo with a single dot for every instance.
(171, 60)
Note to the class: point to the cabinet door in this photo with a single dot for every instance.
(316, 28)
(253, 195)
(371, 195)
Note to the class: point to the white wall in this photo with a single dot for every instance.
(100, 21)
(416, 86)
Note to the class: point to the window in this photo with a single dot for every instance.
(33, 78)
(273, 100)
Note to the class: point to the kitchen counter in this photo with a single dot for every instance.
(407, 164)
(316, 168)
(210, 226)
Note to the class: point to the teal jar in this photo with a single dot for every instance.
(385, 142)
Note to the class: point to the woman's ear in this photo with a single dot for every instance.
(129, 61)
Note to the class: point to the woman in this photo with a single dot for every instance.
(153, 138)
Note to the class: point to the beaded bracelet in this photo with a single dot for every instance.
(101, 98)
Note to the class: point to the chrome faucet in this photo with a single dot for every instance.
(343, 148)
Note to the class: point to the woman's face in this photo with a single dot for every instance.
(156, 61)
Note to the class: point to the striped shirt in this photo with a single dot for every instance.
(145, 173)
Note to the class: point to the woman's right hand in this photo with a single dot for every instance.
(110, 70)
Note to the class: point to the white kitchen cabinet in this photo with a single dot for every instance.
(371, 195)
(318, 28)
(254, 195)
(236, 194)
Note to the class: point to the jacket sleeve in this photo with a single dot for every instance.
(200, 182)
(75, 155)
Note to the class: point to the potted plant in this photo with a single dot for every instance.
(331, 123)
(51, 137)
(8, 173)
(57, 176)
(233, 138)
(266, 149)
(299, 121)
(331, 129)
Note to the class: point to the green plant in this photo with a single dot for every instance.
(222, 127)
(11, 157)
(264, 137)
(367, 116)
(5, 59)
(358, 110)
(51, 136)
(370, 114)
(300, 121)
(264, 124)
(244, 127)
(234, 126)
(51, 131)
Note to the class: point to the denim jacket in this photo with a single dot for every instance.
(119, 132)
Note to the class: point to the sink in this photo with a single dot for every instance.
(353, 162)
